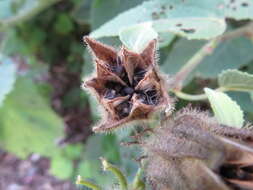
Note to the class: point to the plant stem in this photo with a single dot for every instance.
(197, 97)
(121, 178)
(192, 97)
(193, 63)
(206, 50)
(26, 15)
(138, 184)
(88, 184)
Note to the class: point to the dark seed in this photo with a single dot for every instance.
(119, 70)
(138, 75)
(117, 87)
(128, 90)
(123, 109)
(248, 169)
(149, 97)
(110, 94)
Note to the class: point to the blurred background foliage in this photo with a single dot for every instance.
(43, 60)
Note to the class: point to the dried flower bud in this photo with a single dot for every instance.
(193, 152)
(126, 84)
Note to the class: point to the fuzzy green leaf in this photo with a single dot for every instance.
(236, 80)
(243, 99)
(226, 111)
(239, 9)
(165, 38)
(7, 77)
(115, 6)
(137, 37)
(27, 122)
(199, 20)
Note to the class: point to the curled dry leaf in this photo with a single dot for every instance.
(126, 84)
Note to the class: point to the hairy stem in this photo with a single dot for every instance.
(194, 62)
(138, 184)
(88, 184)
(206, 50)
(121, 178)
(197, 97)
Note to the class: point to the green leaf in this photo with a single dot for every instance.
(165, 38)
(81, 12)
(188, 18)
(243, 99)
(62, 163)
(239, 9)
(105, 146)
(226, 111)
(192, 28)
(236, 80)
(137, 37)
(61, 167)
(28, 124)
(7, 77)
(115, 7)
(230, 54)
(63, 24)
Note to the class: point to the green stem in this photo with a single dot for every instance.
(88, 184)
(192, 97)
(193, 63)
(138, 184)
(116, 172)
(19, 18)
(205, 51)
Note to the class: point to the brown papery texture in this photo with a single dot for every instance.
(191, 151)
(126, 84)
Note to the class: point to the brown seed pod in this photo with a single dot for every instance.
(191, 151)
(126, 84)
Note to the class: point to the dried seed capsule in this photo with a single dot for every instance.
(192, 151)
(126, 83)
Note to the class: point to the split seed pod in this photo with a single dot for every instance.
(193, 152)
(126, 84)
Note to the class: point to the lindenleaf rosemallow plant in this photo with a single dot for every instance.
(188, 150)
